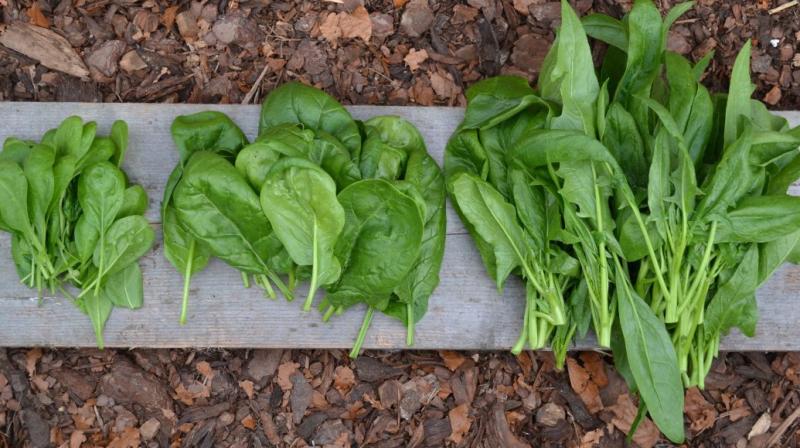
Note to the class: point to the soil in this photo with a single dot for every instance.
(399, 52)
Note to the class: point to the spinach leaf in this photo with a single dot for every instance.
(299, 199)
(296, 103)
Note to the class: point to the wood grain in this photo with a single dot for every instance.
(466, 311)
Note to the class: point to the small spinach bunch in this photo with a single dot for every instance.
(671, 199)
(356, 208)
(358, 204)
(209, 208)
(74, 218)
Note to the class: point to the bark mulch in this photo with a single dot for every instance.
(399, 52)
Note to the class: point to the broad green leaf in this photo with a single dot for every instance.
(760, 219)
(101, 191)
(219, 208)
(128, 239)
(464, 153)
(16, 150)
(125, 288)
(297, 103)
(14, 197)
(379, 245)
(299, 199)
(734, 304)
(494, 100)
(134, 202)
(771, 255)
(178, 245)
(207, 131)
(652, 360)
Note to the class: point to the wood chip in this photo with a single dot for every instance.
(45, 46)
(460, 423)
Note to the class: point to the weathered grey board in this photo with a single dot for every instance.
(466, 312)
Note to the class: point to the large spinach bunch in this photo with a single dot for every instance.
(73, 217)
(356, 208)
(632, 199)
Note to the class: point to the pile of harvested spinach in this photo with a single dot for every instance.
(630, 200)
(355, 208)
(74, 219)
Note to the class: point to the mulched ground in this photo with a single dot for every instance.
(263, 398)
(402, 52)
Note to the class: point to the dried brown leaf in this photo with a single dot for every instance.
(130, 438)
(76, 439)
(415, 57)
(701, 413)
(596, 368)
(356, 24)
(285, 372)
(624, 411)
(582, 384)
(37, 17)
(460, 422)
(452, 360)
(592, 439)
(32, 357)
(344, 379)
(169, 15)
(205, 369)
(773, 97)
(247, 386)
(249, 422)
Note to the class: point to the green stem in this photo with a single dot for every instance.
(187, 279)
(267, 287)
(410, 323)
(101, 265)
(281, 286)
(246, 280)
(328, 313)
(362, 333)
(312, 288)
(523, 335)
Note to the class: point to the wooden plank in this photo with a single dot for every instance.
(466, 312)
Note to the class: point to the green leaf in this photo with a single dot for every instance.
(219, 208)
(98, 307)
(128, 239)
(38, 169)
(379, 245)
(207, 131)
(734, 304)
(124, 288)
(652, 361)
(760, 219)
(178, 245)
(567, 76)
(299, 199)
(119, 135)
(738, 108)
(134, 202)
(772, 254)
(494, 100)
(623, 141)
(645, 49)
(14, 197)
(493, 219)
(297, 103)
(606, 29)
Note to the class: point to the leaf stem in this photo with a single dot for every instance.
(312, 287)
(246, 280)
(187, 278)
(362, 333)
(410, 323)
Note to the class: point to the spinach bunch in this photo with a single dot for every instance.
(356, 208)
(653, 206)
(73, 217)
